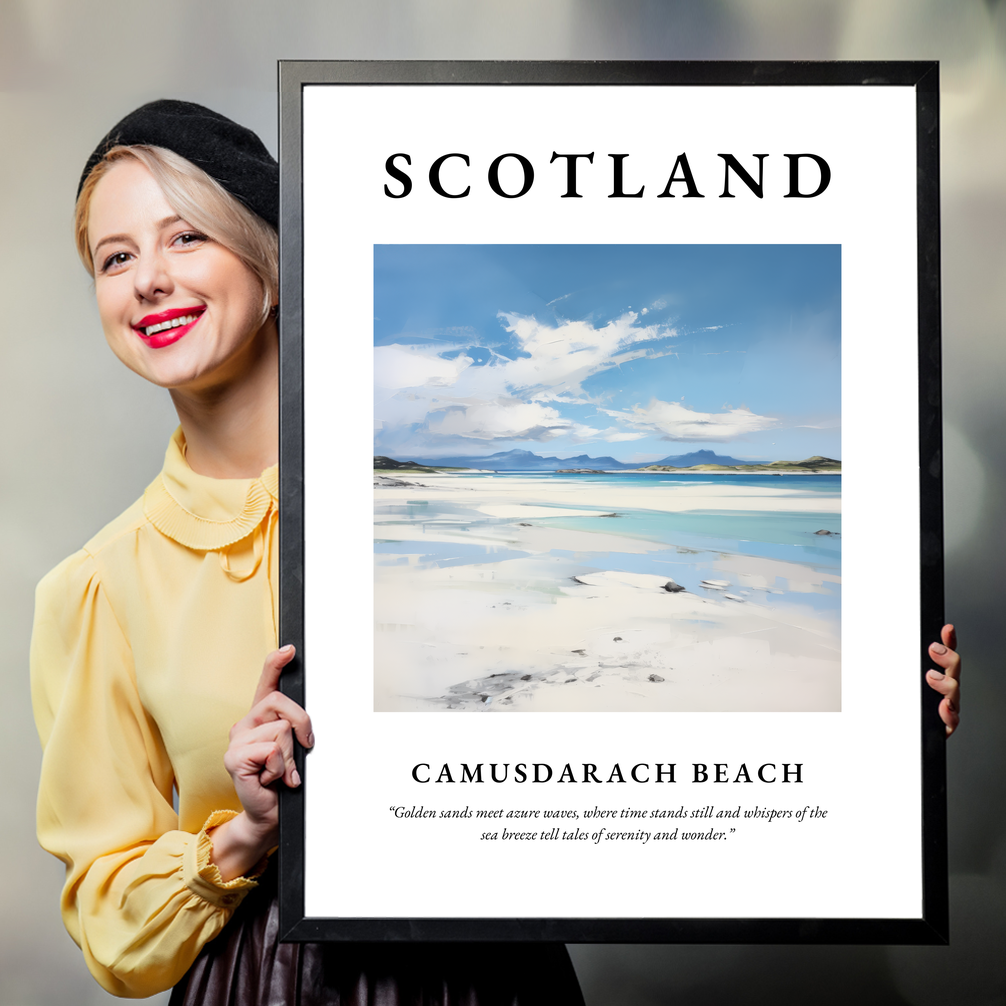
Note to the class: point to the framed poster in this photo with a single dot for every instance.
(611, 501)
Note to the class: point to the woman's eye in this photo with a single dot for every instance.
(190, 238)
(114, 261)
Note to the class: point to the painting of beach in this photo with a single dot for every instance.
(607, 478)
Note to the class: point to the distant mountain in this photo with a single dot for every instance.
(524, 461)
(383, 464)
(701, 458)
(815, 464)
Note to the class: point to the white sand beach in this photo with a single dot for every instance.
(524, 615)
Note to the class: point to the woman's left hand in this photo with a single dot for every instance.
(948, 681)
(260, 754)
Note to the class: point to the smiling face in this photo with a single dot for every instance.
(177, 307)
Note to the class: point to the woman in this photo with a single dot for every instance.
(148, 643)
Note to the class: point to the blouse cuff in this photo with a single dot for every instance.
(202, 876)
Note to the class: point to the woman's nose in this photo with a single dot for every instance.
(152, 277)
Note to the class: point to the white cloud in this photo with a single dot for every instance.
(520, 398)
(407, 367)
(613, 435)
(502, 419)
(511, 398)
(561, 357)
(674, 421)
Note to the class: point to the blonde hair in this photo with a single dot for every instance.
(199, 200)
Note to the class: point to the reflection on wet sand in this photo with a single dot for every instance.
(503, 593)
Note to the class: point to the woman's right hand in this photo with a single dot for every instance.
(948, 681)
(259, 754)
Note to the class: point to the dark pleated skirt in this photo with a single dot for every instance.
(246, 965)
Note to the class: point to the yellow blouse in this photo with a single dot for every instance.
(147, 647)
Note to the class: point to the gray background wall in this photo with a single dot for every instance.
(82, 436)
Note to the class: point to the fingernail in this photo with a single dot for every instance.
(310, 740)
(936, 675)
(295, 777)
(287, 649)
(938, 648)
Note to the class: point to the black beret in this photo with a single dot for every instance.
(231, 154)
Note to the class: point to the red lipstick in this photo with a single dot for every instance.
(166, 327)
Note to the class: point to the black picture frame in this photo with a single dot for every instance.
(931, 927)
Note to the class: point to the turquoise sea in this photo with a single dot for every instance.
(689, 546)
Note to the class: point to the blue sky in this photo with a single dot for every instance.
(631, 351)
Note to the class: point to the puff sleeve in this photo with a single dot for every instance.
(141, 897)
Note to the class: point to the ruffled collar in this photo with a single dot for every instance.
(203, 513)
